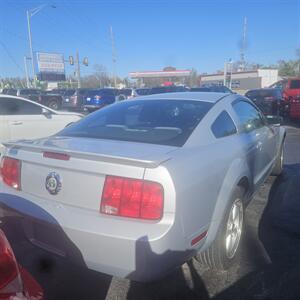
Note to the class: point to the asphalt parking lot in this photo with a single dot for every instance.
(268, 266)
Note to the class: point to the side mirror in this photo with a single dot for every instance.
(274, 120)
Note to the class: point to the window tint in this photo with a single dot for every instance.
(251, 94)
(29, 92)
(223, 126)
(295, 84)
(12, 106)
(248, 115)
(161, 122)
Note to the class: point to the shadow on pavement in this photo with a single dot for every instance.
(62, 273)
(182, 283)
(279, 233)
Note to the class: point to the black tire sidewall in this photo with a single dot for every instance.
(52, 102)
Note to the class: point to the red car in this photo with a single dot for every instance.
(15, 282)
(291, 93)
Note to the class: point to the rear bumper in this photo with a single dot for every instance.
(141, 251)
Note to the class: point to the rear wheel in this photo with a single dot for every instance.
(223, 251)
(121, 97)
(53, 104)
(278, 168)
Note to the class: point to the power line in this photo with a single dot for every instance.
(11, 57)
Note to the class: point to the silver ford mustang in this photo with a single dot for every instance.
(138, 188)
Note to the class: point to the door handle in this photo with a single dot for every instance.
(17, 123)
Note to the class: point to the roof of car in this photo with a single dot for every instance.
(196, 96)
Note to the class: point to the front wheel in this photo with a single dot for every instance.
(223, 251)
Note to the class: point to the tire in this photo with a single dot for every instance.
(53, 104)
(221, 254)
(122, 97)
(278, 167)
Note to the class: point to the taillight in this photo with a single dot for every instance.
(11, 172)
(133, 198)
(9, 271)
(54, 155)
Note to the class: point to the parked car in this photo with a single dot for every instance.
(124, 94)
(15, 281)
(290, 87)
(213, 88)
(100, 98)
(50, 99)
(141, 186)
(74, 100)
(167, 89)
(270, 101)
(142, 91)
(129, 93)
(9, 92)
(24, 119)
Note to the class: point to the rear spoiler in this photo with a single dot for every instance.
(13, 147)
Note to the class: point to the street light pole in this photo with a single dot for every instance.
(26, 71)
(30, 13)
(30, 45)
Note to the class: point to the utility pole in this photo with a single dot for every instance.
(30, 13)
(30, 45)
(78, 70)
(113, 52)
(225, 73)
(244, 45)
(26, 72)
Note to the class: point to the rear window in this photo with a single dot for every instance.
(69, 93)
(295, 84)
(29, 92)
(163, 122)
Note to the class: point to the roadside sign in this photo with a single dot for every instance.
(51, 66)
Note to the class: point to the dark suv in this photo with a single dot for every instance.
(50, 98)
(270, 101)
(74, 99)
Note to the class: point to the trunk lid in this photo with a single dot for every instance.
(79, 181)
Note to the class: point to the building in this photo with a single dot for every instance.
(246, 80)
(167, 76)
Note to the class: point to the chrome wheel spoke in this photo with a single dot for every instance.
(234, 228)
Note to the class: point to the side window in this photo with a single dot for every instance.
(12, 106)
(223, 126)
(295, 84)
(248, 115)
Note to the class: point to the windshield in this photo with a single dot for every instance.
(155, 121)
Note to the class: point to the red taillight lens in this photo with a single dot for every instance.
(11, 172)
(54, 155)
(8, 265)
(132, 198)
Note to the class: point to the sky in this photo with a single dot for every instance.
(150, 34)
